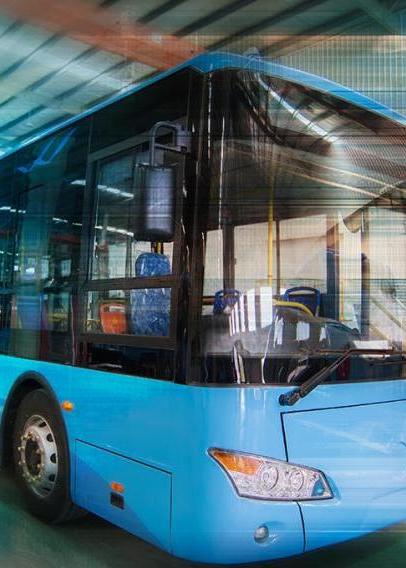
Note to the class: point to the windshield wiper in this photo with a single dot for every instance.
(290, 398)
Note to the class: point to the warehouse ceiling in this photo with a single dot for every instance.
(59, 58)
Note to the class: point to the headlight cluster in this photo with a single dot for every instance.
(265, 478)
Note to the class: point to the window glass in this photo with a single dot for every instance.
(305, 236)
(302, 249)
(251, 253)
(8, 212)
(7, 219)
(213, 262)
(141, 311)
(49, 178)
(140, 361)
(137, 113)
(115, 249)
(350, 271)
(387, 265)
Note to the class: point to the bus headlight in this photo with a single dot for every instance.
(265, 478)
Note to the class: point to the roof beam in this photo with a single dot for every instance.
(160, 10)
(381, 14)
(101, 28)
(214, 17)
(290, 12)
(322, 32)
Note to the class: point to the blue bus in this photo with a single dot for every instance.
(203, 313)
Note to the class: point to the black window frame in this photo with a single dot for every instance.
(87, 284)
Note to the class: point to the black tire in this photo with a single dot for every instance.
(47, 496)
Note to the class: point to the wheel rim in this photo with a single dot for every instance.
(38, 456)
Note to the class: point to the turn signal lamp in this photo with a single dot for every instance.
(274, 480)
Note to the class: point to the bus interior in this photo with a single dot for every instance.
(305, 236)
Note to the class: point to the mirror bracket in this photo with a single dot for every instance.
(181, 139)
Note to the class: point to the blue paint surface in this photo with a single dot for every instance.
(360, 450)
(146, 500)
(137, 429)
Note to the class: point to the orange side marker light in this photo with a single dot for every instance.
(117, 487)
(67, 405)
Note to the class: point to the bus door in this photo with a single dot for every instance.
(131, 288)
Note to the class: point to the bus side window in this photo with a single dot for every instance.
(115, 247)
(49, 225)
(128, 322)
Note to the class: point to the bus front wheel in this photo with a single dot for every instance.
(41, 458)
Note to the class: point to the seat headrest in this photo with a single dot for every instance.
(152, 264)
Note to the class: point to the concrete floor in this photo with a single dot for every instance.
(25, 542)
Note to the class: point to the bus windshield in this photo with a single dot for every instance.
(304, 235)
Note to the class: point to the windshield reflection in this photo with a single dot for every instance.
(304, 234)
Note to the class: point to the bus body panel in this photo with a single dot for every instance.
(169, 428)
(362, 451)
(128, 493)
(126, 428)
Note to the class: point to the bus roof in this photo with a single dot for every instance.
(208, 62)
